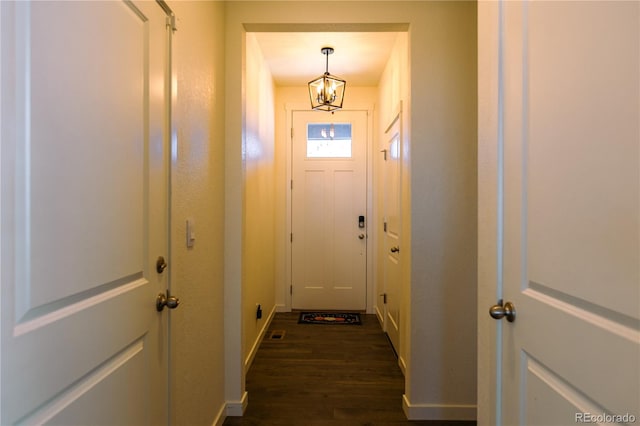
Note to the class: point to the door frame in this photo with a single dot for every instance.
(490, 215)
(290, 108)
(386, 135)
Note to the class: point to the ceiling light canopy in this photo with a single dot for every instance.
(326, 92)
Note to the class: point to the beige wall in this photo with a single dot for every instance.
(197, 361)
(440, 233)
(443, 151)
(258, 282)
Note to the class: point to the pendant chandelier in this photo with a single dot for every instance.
(327, 91)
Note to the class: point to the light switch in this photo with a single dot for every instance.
(191, 234)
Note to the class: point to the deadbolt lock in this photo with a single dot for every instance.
(161, 264)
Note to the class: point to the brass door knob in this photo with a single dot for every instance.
(167, 300)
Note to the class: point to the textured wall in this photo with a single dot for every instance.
(258, 280)
(197, 358)
(443, 157)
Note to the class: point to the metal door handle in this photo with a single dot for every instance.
(361, 236)
(395, 249)
(167, 300)
(500, 311)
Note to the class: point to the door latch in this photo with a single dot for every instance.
(500, 311)
(167, 300)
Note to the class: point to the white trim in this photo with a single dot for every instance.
(403, 365)
(397, 115)
(380, 316)
(500, 207)
(256, 344)
(438, 411)
(372, 236)
(220, 417)
(289, 108)
(237, 408)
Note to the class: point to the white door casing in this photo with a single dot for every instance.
(392, 229)
(329, 249)
(559, 155)
(84, 172)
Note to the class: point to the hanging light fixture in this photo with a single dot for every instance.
(327, 91)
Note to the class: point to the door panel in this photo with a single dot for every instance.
(392, 271)
(571, 190)
(314, 244)
(343, 254)
(84, 212)
(328, 196)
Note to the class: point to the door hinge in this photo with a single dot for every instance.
(384, 226)
(291, 237)
(291, 183)
(290, 289)
(171, 17)
(171, 22)
(384, 298)
(292, 133)
(384, 152)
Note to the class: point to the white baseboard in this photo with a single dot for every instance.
(221, 416)
(380, 316)
(237, 408)
(256, 343)
(403, 365)
(282, 308)
(438, 411)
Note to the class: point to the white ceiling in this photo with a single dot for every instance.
(295, 58)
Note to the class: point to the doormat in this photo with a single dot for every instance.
(329, 318)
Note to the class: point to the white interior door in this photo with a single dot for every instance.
(329, 197)
(559, 179)
(392, 272)
(84, 212)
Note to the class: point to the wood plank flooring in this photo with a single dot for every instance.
(333, 375)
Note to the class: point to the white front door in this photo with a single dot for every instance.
(329, 205)
(391, 247)
(559, 161)
(84, 212)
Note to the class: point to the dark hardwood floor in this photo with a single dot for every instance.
(334, 375)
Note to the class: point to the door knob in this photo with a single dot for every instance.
(361, 236)
(395, 249)
(167, 300)
(500, 311)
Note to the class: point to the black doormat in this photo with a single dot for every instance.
(329, 318)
